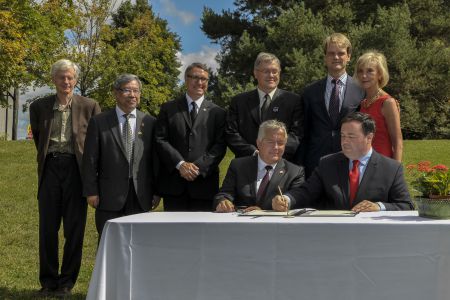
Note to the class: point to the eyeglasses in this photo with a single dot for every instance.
(198, 78)
(129, 91)
(269, 71)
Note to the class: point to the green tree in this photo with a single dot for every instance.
(412, 34)
(31, 34)
(136, 41)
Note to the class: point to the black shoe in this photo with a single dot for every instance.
(45, 292)
(63, 292)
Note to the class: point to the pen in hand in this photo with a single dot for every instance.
(287, 205)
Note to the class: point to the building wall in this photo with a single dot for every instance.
(6, 120)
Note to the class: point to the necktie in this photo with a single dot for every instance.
(353, 177)
(127, 136)
(333, 108)
(265, 107)
(193, 112)
(264, 183)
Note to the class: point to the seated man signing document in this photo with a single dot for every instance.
(253, 181)
(357, 178)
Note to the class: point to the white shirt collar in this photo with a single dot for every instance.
(120, 113)
(199, 101)
(261, 94)
(262, 165)
(342, 78)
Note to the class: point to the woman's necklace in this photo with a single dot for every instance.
(370, 101)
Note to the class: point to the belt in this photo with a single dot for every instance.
(60, 155)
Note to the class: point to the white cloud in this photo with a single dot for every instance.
(185, 16)
(207, 56)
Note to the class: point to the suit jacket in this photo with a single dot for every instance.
(105, 164)
(321, 136)
(239, 185)
(201, 143)
(328, 186)
(41, 119)
(243, 120)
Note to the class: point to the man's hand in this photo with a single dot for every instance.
(250, 208)
(225, 206)
(365, 206)
(189, 171)
(280, 203)
(155, 201)
(93, 201)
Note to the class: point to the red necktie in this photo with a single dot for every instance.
(353, 177)
(263, 184)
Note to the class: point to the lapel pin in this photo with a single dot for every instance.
(275, 109)
(281, 171)
(140, 133)
(204, 109)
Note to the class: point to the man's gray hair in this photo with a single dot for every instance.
(64, 65)
(264, 57)
(125, 78)
(198, 65)
(270, 125)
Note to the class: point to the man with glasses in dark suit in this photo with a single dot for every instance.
(190, 143)
(119, 163)
(267, 102)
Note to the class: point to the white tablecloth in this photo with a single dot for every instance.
(210, 256)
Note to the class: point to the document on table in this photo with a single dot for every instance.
(301, 212)
(272, 213)
(329, 213)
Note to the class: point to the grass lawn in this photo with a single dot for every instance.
(19, 216)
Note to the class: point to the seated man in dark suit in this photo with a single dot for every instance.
(358, 178)
(253, 181)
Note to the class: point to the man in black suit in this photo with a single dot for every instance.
(190, 143)
(119, 164)
(59, 123)
(248, 110)
(358, 178)
(326, 102)
(253, 181)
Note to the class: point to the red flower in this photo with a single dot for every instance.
(441, 168)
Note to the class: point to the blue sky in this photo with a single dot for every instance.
(183, 17)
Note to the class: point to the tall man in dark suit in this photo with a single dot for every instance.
(190, 143)
(326, 102)
(358, 178)
(253, 181)
(248, 110)
(119, 164)
(59, 123)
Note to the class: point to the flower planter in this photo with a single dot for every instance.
(435, 208)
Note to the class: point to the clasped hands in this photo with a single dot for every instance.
(189, 171)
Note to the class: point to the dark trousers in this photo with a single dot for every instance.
(131, 207)
(60, 198)
(186, 203)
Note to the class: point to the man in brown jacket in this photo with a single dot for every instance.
(59, 123)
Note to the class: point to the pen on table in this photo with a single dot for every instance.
(281, 194)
